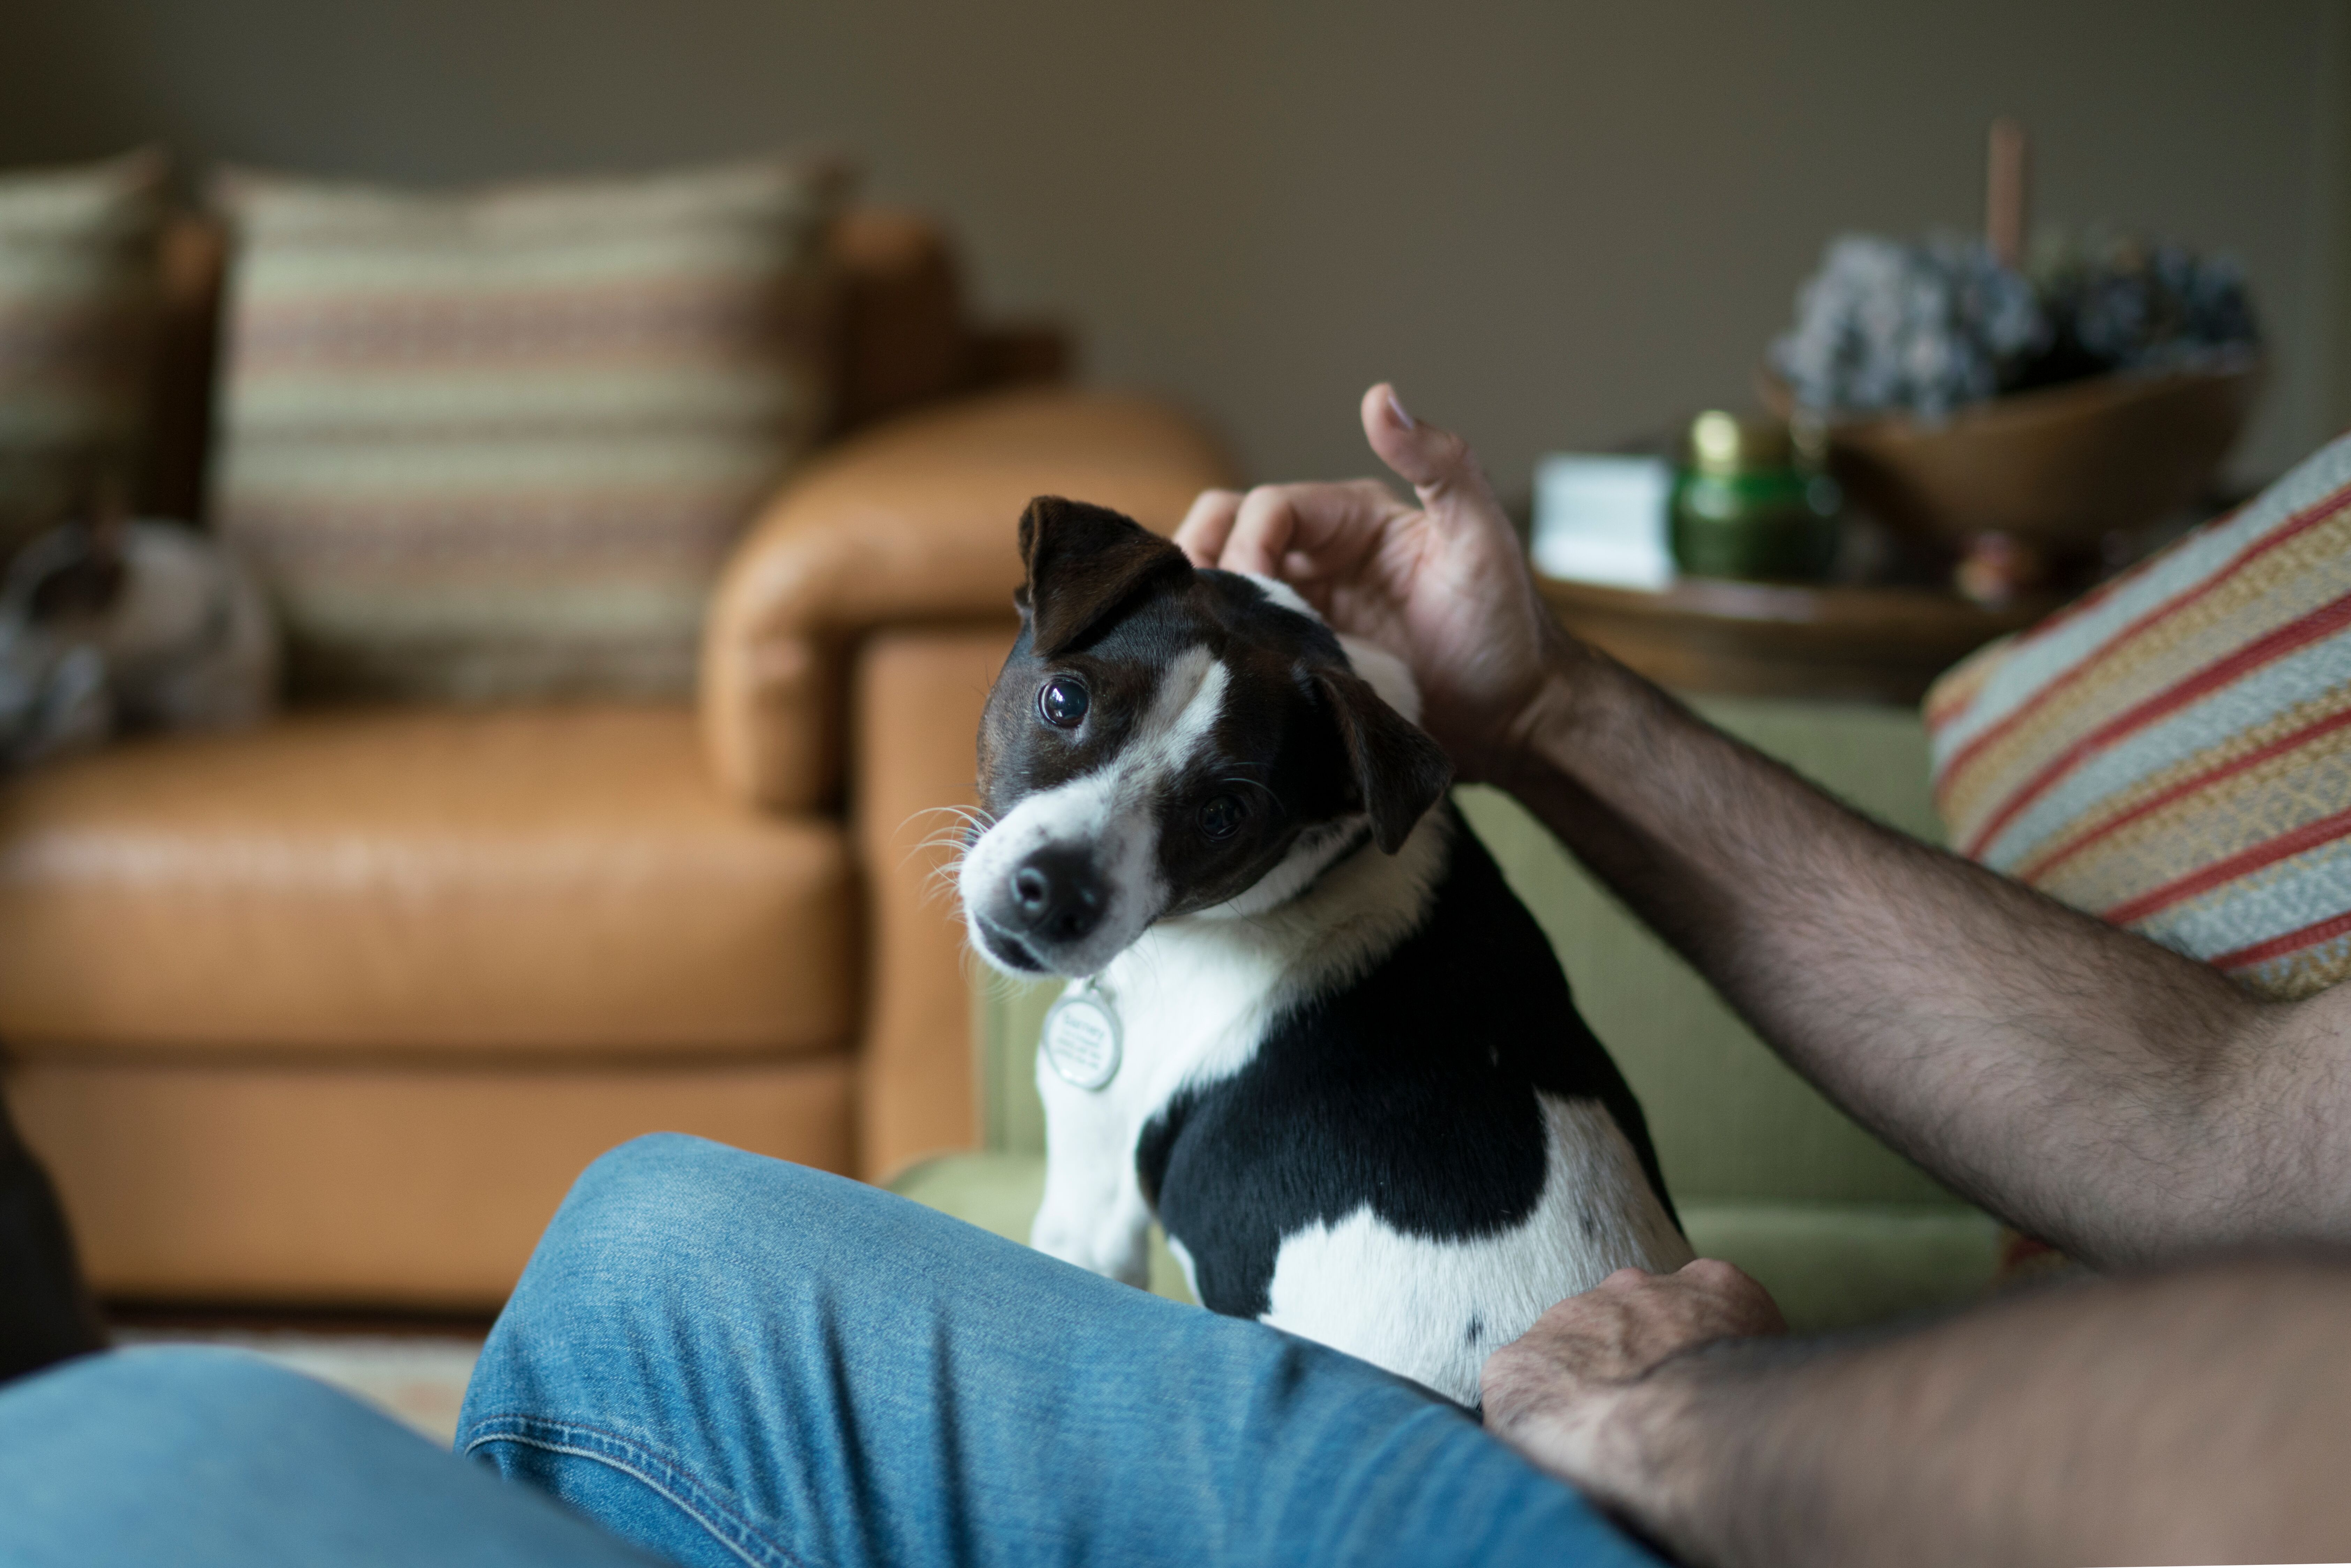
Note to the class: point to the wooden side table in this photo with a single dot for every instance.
(1755, 639)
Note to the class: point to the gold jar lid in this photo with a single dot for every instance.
(1724, 443)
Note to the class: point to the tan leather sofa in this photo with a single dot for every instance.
(332, 1012)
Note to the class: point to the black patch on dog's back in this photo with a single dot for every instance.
(1413, 1091)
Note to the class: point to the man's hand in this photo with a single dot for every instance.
(2196, 1416)
(1570, 1394)
(1443, 585)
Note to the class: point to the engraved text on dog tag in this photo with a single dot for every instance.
(1080, 1039)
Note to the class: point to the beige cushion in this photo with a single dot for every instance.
(544, 882)
(496, 445)
(78, 292)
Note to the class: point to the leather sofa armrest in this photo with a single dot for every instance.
(911, 520)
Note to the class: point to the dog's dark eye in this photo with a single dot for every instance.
(1062, 702)
(1221, 815)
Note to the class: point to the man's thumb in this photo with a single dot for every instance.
(1436, 463)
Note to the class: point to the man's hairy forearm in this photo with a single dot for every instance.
(2097, 1089)
(2199, 1416)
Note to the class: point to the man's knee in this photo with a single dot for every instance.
(670, 1207)
(671, 1182)
(667, 1239)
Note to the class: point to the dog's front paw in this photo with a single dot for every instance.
(1114, 1257)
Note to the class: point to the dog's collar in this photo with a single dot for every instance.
(1349, 847)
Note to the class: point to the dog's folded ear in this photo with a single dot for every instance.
(1083, 563)
(1400, 772)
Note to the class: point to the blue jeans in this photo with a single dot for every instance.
(723, 1359)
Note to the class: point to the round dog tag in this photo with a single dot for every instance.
(1080, 1039)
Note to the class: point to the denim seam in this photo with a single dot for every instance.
(636, 1461)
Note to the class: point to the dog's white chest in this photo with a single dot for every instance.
(1175, 1009)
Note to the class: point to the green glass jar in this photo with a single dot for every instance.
(1747, 503)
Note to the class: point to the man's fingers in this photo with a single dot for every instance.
(1743, 1304)
(1436, 463)
(1202, 533)
(1713, 1274)
(1261, 531)
(1295, 531)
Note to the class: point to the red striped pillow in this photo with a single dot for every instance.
(2173, 752)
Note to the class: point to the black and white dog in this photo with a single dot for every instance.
(1313, 1031)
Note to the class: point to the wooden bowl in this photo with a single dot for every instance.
(2056, 468)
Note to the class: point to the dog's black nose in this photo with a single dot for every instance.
(1057, 895)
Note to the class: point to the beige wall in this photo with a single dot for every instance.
(1553, 224)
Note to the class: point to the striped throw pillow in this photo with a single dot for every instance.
(78, 296)
(2173, 753)
(495, 445)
